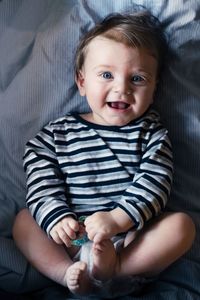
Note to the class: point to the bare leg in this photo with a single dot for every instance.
(148, 252)
(156, 247)
(45, 255)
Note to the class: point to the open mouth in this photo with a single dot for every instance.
(118, 105)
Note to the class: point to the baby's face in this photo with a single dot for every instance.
(118, 81)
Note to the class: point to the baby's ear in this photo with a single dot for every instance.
(80, 81)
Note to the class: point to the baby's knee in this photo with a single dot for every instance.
(20, 217)
(184, 228)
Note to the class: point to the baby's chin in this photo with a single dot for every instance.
(118, 123)
(111, 119)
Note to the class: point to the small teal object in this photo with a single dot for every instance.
(82, 237)
(80, 241)
(82, 219)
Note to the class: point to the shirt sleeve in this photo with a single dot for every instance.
(46, 191)
(147, 196)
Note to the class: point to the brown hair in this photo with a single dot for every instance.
(140, 30)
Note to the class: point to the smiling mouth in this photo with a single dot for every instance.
(118, 105)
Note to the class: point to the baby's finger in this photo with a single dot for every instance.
(73, 224)
(98, 237)
(54, 235)
(67, 229)
(64, 237)
(87, 221)
(69, 232)
(91, 234)
(89, 226)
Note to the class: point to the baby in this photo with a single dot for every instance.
(112, 165)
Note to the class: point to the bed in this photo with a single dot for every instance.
(37, 43)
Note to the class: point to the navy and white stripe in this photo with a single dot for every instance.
(75, 167)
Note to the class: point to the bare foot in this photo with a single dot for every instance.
(104, 260)
(77, 278)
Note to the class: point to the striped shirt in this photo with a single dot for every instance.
(76, 168)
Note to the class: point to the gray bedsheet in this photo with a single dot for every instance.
(37, 43)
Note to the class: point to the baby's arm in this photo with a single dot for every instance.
(105, 224)
(65, 230)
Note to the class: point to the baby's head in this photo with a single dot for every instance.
(138, 30)
(117, 67)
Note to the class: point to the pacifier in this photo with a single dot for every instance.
(82, 237)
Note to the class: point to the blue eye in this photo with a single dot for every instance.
(107, 75)
(137, 79)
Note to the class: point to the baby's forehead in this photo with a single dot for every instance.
(113, 35)
(102, 41)
(100, 45)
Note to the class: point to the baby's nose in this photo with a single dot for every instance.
(123, 87)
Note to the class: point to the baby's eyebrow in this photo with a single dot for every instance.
(102, 67)
(148, 72)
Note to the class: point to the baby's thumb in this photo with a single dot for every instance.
(98, 238)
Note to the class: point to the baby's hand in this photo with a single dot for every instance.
(65, 231)
(100, 226)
